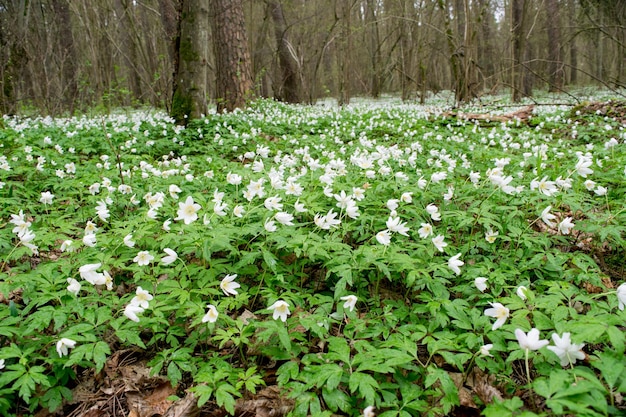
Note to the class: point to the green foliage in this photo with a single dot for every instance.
(417, 326)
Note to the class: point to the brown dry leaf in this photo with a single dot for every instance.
(482, 385)
(185, 407)
(465, 395)
(247, 315)
(269, 402)
(150, 405)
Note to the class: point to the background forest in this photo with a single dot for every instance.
(63, 56)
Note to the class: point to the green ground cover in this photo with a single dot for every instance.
(391, 256)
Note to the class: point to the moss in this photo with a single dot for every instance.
(182, 105)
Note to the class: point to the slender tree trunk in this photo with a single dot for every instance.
(573, 51)
(67, 54)
(189, 100)
(289, 89)
(373, 38)
(343, 53)
(518, 72)
(233, 64)
(555, 65)
(407, 45)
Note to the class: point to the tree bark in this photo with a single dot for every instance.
(289, 89)
(67, 54)
(233, 64)
(190, 94)
(519, 76)
(555, 64)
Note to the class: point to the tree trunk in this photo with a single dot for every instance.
(519, 74)
(373, 37)
(343, 53)
(289, 90)
(67, 54)
(407, 45)
(190, 94)
(573, 51)
(555, 65)
(233, 64)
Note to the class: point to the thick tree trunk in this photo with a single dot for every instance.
(289, 90)
(555, 65)
(190, 94)
(233, 64)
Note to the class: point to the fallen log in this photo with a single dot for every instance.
(523, 115)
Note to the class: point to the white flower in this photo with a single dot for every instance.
(439, 243)
(484, 350)
(480, 283)
(131, 312)
(433, 210)
(425, 231)
(281, 310)
(64, 345)
(498, 311)
(531, 340)
(566, 225)
(406, 197)
(600, 190)
(239, 211)
(141, 298)
(89, 274)
(545, 186)
(395, 225)
(143, 258)
(128, 240)
(566, 350)
(228, 284)
(89, 240)
(547, 217)
(454, 263)
(369, 412)
(284, 218)
(299, 207)
(74, 286)
(166, 225)
(211, 315)
(170, 258)
(350, 301)
(66, 246)
(270, 225)
(621, 296)
(174, 190)
(188, 210)
(392, 204)
(491, 236)
(46, 197)
(273, 203)
(589, 184)
(1, 363)
(383, 237)
(522, 292)
(582, 166)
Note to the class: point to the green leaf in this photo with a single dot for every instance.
(365, 384)
(287, 371)
(617, 338)
(173, 373)
(225, 397)
(100, 351)
(130, 336)
(338, 350)
(336, 400)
